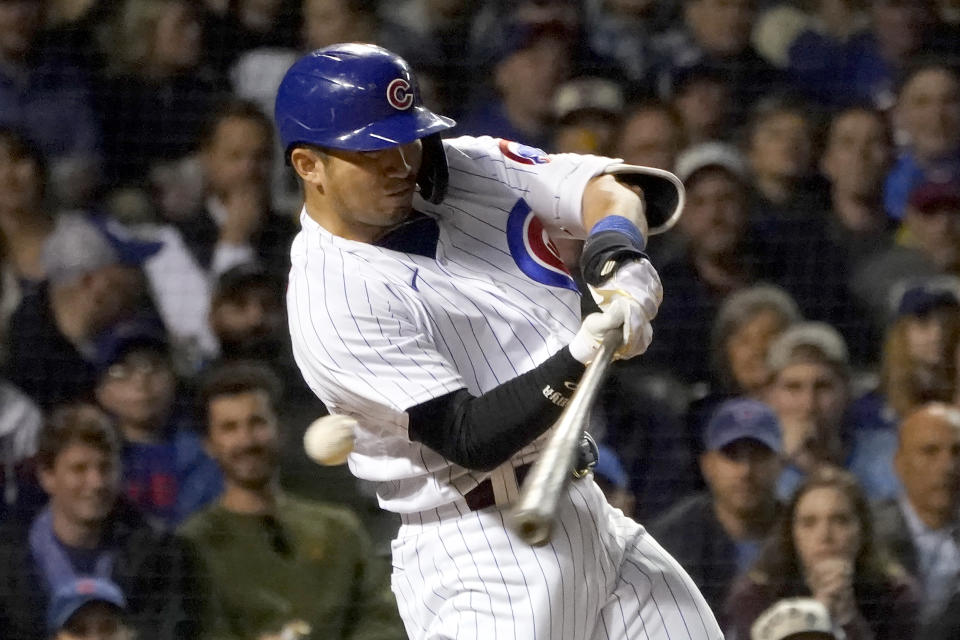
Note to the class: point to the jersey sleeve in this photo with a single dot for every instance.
(362, 345)
(551, 184)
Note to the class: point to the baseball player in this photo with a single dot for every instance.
(427, 301)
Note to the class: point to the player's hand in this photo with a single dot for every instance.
(636, 281)
(620, 313)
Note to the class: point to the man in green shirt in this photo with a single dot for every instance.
(278, 567)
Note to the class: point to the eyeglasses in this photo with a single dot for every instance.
(128, 370)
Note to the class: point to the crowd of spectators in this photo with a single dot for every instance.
(792, 435)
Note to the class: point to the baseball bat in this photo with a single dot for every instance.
(532, 516)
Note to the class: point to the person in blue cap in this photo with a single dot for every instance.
(717, 534)
(93, 280)
(88, 609)
(166, 472)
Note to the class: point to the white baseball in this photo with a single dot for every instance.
(329, 440)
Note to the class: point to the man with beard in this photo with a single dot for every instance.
(278, 566)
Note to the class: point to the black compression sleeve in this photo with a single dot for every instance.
(483, 432)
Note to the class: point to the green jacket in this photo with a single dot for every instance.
(311, 562)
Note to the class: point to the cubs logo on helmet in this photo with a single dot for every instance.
(534, 251)
(523, 154)
(399, 94)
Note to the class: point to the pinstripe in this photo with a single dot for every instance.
(476, 567)
(582, 555)
(573, 557)
(653, 596)
(523, 575)
(506, 587)
(668, 560)
(493, 178)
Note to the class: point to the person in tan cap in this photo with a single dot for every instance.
(795, 619)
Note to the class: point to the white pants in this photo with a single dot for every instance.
(459, 574)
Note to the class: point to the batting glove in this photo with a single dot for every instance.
(635, 281)
(621, 312)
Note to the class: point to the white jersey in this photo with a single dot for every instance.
(378, 330)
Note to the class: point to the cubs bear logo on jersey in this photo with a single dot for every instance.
(534, 251)
(523, 154)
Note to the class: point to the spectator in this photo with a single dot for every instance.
(275, 561)
(927, 117)
(746, 325)
(716, 260)
(809, 390)
(928, 245)
(223, 221)
(716, 534)
(157, 95)
(166, 473)
(25, 222)
(86, 531)
(587, 110)
(88, 608)
(717, 33)
(532, 62)
(795, 619)
(920, 527)
(780, 151)
(234, 223)
(785, 202)
(37, 87)
(651, 135)
(855, 161)
(916, 368)
(702, 98)
(93, 281)
(824, 547)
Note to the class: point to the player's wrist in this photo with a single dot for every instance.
(611, 242)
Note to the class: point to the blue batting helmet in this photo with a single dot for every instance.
(357, 97)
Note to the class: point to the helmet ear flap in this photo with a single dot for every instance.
(433, 176)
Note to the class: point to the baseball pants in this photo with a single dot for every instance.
(461, 574)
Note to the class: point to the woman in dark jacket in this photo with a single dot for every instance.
(824, 547)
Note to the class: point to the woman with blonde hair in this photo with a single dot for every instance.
(918, 366)
(824, 547)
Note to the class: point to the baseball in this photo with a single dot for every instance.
(329, 440)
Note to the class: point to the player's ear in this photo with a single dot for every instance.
(309, 166)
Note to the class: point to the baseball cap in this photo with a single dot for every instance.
(921, 298)
(70, 597)
(119, 340)
(82, 243)
(243, 276)
(931, 195)
(711, 154)
(743, 418)
(792, 616)
(819, 337)
(597, 95)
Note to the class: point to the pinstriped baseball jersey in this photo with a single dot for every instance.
(473, 295)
